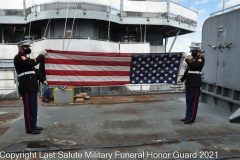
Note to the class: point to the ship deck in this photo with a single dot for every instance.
(143, 126)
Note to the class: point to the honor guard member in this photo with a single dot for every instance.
(28, 86)
(193, 82)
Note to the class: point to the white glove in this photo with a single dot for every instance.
(43, 52)
(45, 82)
(189, 57)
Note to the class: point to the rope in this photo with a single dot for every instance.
(30, 24)
(73, 25)
(109, 20)
(29, 28)
(44, 37)
(44, 45)
(46, 28)
(146, 26)
(50, 27)
(65, 26)
(30, 21)
(140, 23)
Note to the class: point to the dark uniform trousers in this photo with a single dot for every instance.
(193, 82)
(30, 110)
(192, 98)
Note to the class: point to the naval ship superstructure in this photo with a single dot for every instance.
(221, 75)
(112, 26)
(119, 21)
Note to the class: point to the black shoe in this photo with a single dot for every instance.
(33, 132)
(184, 119)
(39, 128)
(187, 122)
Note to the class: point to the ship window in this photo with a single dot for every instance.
(68, 34)
(102, 32)
(128, 38)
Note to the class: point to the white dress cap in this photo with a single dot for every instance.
(24, 43)
(192, 48)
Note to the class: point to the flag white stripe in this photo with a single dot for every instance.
(87, 78)
(85, 67)
(88, 58)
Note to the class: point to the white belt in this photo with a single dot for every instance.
(24, 73)
(195, 72)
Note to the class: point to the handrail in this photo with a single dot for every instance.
(12, 12)
(223, 11)
(79, 37)
(7, 43)
(181, 5)
(98, 7)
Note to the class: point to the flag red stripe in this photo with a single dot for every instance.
(82, 62)
(90, 53)
(72, 83)
(87, 73)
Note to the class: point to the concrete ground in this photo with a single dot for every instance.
(120, 127)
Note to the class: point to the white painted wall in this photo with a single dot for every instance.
(135, 48)
(144, 6)
(179, 10)
(157, 49)
(84, 45)
(8, 51)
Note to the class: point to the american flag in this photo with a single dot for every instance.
(155, 68)
(107, 69)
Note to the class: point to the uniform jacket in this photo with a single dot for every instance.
(28, 82)
(39, 76)
(193, 79)
(42, 69)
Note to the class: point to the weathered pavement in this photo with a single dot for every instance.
(144, 126)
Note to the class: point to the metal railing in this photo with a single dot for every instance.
(134, 89)
(225, 10)
(131, 89)
(102, 8)
(11, 12)
(95, 7)
(6, 65)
